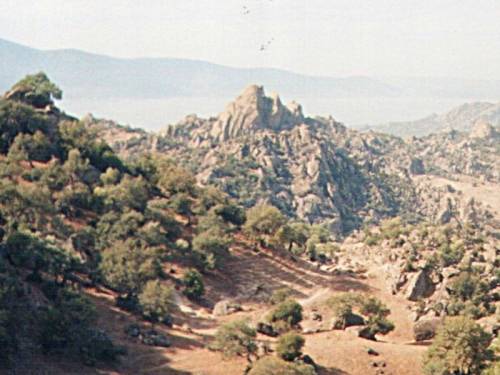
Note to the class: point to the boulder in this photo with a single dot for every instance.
(417, 166)
(349, 321)
(367, 333)
(133, 330)
(266, 329)
(154, 338)
(317, 316)
(225, 307)
(420, 286)
(482, 129)
(426, 329)
(307, 360)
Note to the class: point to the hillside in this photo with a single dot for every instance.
(315, 169)
(260, 241)
(461, 118)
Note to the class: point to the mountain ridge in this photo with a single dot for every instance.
(93, 75)
(461, 118)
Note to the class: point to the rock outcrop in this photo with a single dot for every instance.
(420, 286)
(316, 169)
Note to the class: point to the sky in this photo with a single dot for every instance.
(431, 38)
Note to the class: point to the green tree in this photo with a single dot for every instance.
(286, 315)
(16, 118)
(131, 192)
(36, 90)
(235, 338)
(193, 284)
(173, 179)
(276, 366)
(230, 213)
(342, 305)
(156, 301)
(292, 233)
(459, 348)
(280, 295)
(212, 245)
(127, 266)
(289, 346)
(182, 203)
(35, 147)
(262, 220)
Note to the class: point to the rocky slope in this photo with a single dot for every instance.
(461, 118)
(317, 169)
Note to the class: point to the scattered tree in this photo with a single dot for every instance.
(272, 365)
(459, 348)
(156, 301)
(289, 346)
(35, 90)
(236, 338)
(193, 284)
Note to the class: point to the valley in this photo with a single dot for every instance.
(258, 241)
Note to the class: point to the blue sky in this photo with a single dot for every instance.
(451, 38)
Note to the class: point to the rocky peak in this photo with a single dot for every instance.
(253, 111)
(483, 129)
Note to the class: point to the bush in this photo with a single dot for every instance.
(156, 301)
(449, 254)
(273, 365)
(127, 266)
(36, 90)
(8, 322)
(289, 346)
(370, 307)
(460, 347)
(286, 315)
(236, 338)
(231, 213)
(342, 306)
(211, 244)
(193, 285)
(280, 295)
(263, 220)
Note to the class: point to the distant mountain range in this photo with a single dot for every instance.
(461, 118)
(82, 74)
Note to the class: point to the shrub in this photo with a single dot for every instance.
(372, 308)
(449, 254)
(280, 295)
(231, 213)
(286, 315)
(127, 266)
(372, 239)
(36, 90)
(289, 346)
(193, 284)
(211, 244)
(460, 347)
(263, 220)
(272, 365)
(236, 338)
(156, 301)
(67, 328)
(342, 306)
(392, 228)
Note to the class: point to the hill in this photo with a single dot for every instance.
(88, 75)
(315, 169)
(255, 242)
(461, 118)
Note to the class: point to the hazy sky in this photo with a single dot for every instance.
(453, 38)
